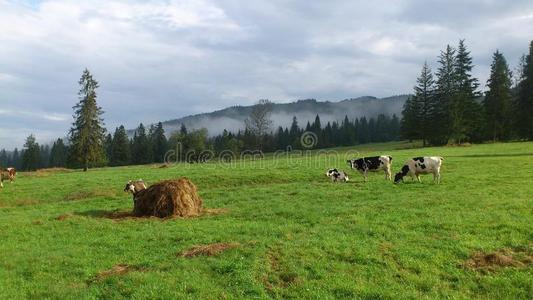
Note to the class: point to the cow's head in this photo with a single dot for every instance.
(134, 186)
(400, 175)
(330, 172)
(130, 187)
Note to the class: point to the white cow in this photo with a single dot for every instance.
(420, 165)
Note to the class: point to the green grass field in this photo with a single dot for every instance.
(300, 235)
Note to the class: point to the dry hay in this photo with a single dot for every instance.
(498, 259)
(120, 269)
(84, 194)
(167, 199)
(208, 250)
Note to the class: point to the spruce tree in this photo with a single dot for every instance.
(87, 134)
(141, 149)
(31, 159)
(447, 115)
(410, 124)
(498, 99)
(58, 154)
(466, 116)
(159, 142)
(425, 103)
(120, 149)
(108, 146)
(524, 102)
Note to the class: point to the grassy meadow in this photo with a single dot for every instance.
(297, 235)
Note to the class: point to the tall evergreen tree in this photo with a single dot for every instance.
(498, 99)
(410, 124)
(159, 142)
(58, 154)
(120, 149)
(447, 114)
(465, 111)
(141, 150)
(425, 99)
(87, 134)
(108, 146)
(15, 159)
(421, 108)
(524, 103)
(31, 159)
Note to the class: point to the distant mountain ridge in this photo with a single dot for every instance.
(232, 118)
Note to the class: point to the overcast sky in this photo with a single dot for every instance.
(160, 60)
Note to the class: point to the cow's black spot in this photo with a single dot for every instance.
(366, 163)
(423, 166)
(405, 170)
(420, 159)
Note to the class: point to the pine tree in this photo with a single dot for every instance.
(498, 99)
(141, 150)
(31, 159)
(120, 149)
(465, 110)
(410, 124)
(425, 103)
(524, 101)
(447, 115)
(4, 159)
(45, 156)
(159, 142)
(87, 134)
(108, 146)
(58, 154)
(15, 158)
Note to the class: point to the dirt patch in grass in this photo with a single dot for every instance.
(278, 276)
(116, 270)
(208, 250)
(63, 217)
(79, 195)
(481, 261)
(21, 202)
(47, 172)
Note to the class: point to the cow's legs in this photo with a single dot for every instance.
(418, 178)
(388, 174)
(365, 174)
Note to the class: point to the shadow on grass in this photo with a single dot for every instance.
(108, 214)
(128, 214)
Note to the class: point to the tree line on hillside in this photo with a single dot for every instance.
(447, 106)
(150, 147)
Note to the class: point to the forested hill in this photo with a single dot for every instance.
(232, 118)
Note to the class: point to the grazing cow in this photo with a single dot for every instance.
(420, 165)
(374, 163)
(7, 174)
(337, 175)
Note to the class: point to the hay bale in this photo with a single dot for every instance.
(167, 199)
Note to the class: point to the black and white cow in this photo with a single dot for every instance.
(337, 175)
(420, 165)
(372, 164)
